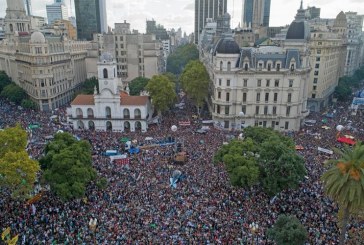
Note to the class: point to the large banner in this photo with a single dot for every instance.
(325, 150)
(184, 123)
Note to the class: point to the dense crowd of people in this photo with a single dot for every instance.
(139, 206)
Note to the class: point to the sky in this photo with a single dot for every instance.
(180, 13)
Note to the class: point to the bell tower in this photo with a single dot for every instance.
(108, 79)
(16, 19)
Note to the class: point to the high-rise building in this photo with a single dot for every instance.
(28, 7)
(256, 13)
(56, 11)
(90, 18)
(205, 9)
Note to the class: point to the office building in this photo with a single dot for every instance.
(255, 13)
(56, 11)
(90, 18)
(205, 9)
(28, 7)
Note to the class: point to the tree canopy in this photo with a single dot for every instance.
(183, 54)
(17, 170)
(88, 86)
(162, 92)
(346, 85)
(13, 93)
(4, 80)
(264, 157)
(68, 166)
(195, 82)
(137, 85)
(344, 182)
(287, 231)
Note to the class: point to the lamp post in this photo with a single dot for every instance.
(254, 229)
(239, 117)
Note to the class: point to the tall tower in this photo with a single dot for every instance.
(28, 7)
(256, 13)
(57, 11)
(16, 19)
(88, 18)
(207, 9)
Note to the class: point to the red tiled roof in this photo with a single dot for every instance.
(133, 100)
(84, 99)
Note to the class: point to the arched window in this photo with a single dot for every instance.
(292, 67)
(108, 126)
(11, 27)
(108, 112)
(105, 73)
(220, 65)
(229, 66)
(79, 113)
(269, 67)
(126, 113)
(246, 67)
(137, 114)
(278, 66)
(80, 125)
(91, 125)
(90, 113)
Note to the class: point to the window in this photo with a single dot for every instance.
(227, 110)
(265, 110)
(226, 124)
(258, 97)
(266, 97)
(220, 82)
(244, 97)
(257, 110)
(227, 83)
(228, 66)
(290, 83)
(319, 43)
(267, 83)
(314, 87)
(274, 111)
(275, 97)
(278, 67)
(292, 67)
(259, 82)
(260, 66)
(220, 65)
(319, 51)
(255, 123)
(227, 97)
(289, 97)
(288, 111)
(273, 123)
(246, 67)
(286, 125)
(264, 124)
(316, 73)
(218, 109)
(313, 96)
(245, 82)
(317, 66)
(243, 109)
(276, 83)
(315, 80)
(318, 58)
(219, 95)
(269, 67)
(105, 73)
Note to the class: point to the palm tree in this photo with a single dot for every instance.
(344, 182)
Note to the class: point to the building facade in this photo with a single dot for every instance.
(110, 108)
(28, 7)
(205, 9)
(56, 11)
(255, 13)
(88, 18)
(48, 68)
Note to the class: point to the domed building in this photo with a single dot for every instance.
(110, 108)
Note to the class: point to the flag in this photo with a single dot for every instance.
(5, 233)
(14, 240)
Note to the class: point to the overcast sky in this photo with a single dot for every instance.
(180, 13)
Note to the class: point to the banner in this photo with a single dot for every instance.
(184, 123)
(34, 199)
(5, 233)
(122, 161)
(325, 150)
(14, 240)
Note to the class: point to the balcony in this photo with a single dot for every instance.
(266, 116)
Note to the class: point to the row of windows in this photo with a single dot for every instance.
(262, 123)
(259, 82)
(258, 97)
(267, 110)
(90, 112)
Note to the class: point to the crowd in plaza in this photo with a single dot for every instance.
(139, 206)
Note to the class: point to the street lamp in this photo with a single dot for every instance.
(240, 117)
(254, 229)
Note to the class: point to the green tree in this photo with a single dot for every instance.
(195, 82)
(137, 85)
(29, 104)
(344, 182)
(13, 93)
(162, 92)
(4, 80)
(17, 170)
(68, 166)
(180, 57)
(287, 231)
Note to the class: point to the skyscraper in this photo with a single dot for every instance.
(207, 9)
(256, 13)
(28, 7)
(56, 11)
(90, 18)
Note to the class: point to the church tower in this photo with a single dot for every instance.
(108, 80)
(16, 19)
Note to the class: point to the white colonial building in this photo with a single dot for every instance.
(111, 108)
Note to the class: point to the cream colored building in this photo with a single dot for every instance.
(49, 68)
(264, 86)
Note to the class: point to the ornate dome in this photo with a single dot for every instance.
(37, 37)
(227, 45)
(106, 57)
(298, 30)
